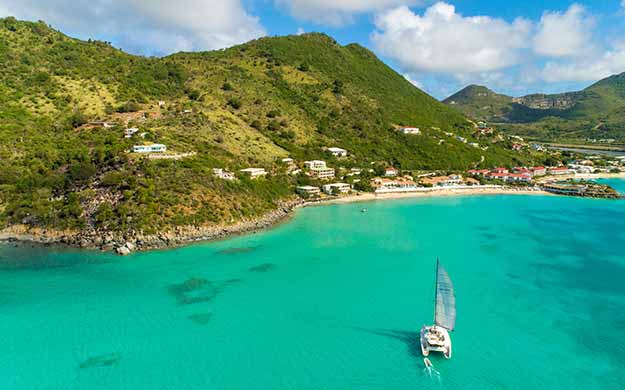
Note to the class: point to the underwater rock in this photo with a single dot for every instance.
(201, 318)
(194, 290)
(100, 361)
(262, 268)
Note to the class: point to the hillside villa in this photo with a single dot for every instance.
(153, 148)
(337, 152)
(318, 169)
(410, 130)
(254, 173)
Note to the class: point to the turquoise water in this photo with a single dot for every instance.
(333, 300)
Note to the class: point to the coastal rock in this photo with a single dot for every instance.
(123, 251)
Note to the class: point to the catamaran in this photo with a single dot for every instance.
(436, 337)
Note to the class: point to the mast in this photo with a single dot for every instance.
(436, 289)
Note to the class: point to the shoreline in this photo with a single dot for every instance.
(124, 244)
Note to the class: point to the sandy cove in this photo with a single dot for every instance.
(130, 242)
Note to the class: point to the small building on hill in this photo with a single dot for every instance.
(337, 152)
(409, 130)
(254, 173)
(391, 172)
(153, 148)
(223, 174)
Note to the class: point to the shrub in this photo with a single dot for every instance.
(235, 103)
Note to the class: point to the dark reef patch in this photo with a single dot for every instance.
(194, 290)
(262, 268)
(233, 251)
(201, 318)
(100, 361)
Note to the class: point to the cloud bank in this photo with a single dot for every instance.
(144, 26)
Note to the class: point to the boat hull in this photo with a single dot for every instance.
(435, 339)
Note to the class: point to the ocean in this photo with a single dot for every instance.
(333, 299)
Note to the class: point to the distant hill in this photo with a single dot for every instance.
(595, 112)
(250, 105)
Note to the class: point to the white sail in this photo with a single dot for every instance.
(445, 315)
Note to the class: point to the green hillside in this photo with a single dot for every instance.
(249, 105)
(593, 113)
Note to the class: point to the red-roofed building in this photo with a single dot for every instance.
(500, 170)
(521, 170)
(520, 177)
(560, 171)
(539, 171)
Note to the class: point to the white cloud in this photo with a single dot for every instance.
(337, 12)
(301, 31)
(442, 40)
(146, 26)
(611, 62)
(564, 34)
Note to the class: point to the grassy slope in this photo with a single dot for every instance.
(252, 105)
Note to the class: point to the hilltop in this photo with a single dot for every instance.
(251, 105)
(593, 113)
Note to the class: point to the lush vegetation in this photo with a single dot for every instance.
(594, 113)
(249, 105)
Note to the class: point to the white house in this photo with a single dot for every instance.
(308, 190)
(315, 164)
(336, 188)
(391, 172)
(153, 148)
(128, 133)
(337, 152)
(410, 130)
(223, 174)
(254, 173)
(325, 173)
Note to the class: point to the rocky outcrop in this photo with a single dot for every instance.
(131, 241)
(562, 101)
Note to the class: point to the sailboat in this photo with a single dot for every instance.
(436, 337)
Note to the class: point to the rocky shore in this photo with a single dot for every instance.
(126, 243)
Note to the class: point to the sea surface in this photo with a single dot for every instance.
(334, 299)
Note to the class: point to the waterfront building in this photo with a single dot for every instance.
(336, 188)
(539, 171)
(560, 171)
(308, 190)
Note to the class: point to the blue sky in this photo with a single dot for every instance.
(512, 47)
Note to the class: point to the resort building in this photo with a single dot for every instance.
(478, 172)
(128, 133)
(254, 173)
(443, 181)
(410, 130)
(336, 188)
(223, 174)
(308, 190)
(153, 148)
(337, 152)
(560, 171)
(398, 185)
(519, 177)
(500, 170)
(539, 171)
(391, 172)
(522, 170)
(583, 169)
